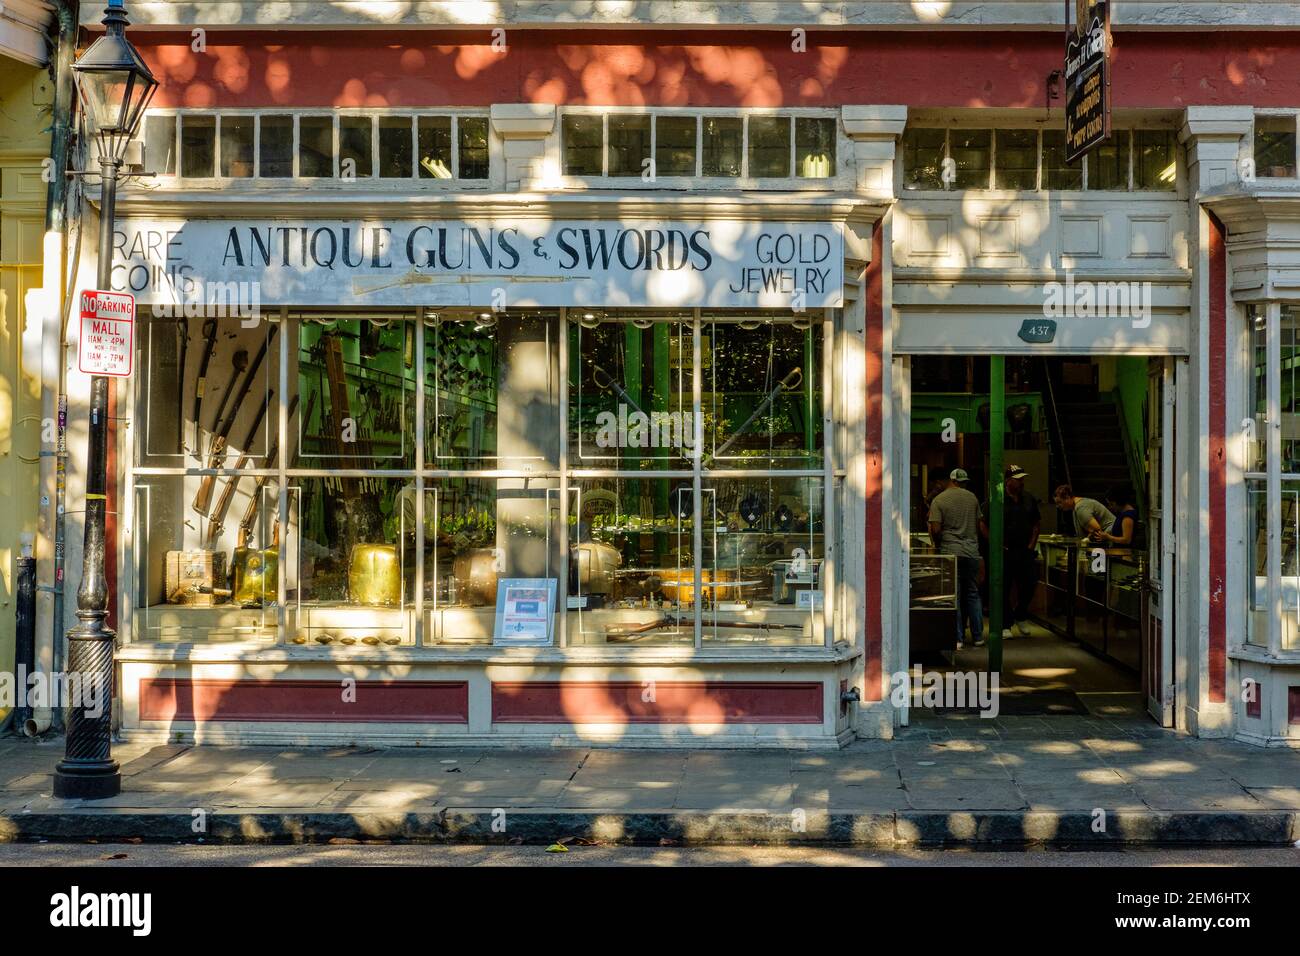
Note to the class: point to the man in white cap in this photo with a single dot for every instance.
(954, 529)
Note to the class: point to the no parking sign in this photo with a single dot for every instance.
(107, 341)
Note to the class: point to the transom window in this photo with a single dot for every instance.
(1034, 159)
(648, 146)
(1275, 145)
(317, 145)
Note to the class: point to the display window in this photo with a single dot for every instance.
(352, 480)
(1272, 478)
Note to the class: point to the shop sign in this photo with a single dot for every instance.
(1087, 79)
(107, 339)
(210, 264)
(525, 609)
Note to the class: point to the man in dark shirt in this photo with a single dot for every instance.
(1020, 523)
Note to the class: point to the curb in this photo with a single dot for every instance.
(484, 827)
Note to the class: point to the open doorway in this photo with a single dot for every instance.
(1086, 454)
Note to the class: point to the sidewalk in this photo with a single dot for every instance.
(958, 781)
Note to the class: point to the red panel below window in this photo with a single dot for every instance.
(203, 699)
(1293, 705)
(656, 702)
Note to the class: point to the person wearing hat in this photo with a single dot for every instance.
(1021, 519)
(954, 529)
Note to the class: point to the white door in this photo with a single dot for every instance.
(1158, 622)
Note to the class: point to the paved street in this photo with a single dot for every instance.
(959, 780)
(127, 855)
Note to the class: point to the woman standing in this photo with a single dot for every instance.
(1120, 500)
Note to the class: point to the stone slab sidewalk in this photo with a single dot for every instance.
(1074, 781)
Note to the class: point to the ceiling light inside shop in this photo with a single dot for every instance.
(1167, 174)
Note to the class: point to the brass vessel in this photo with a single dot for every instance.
(476, 574)
(375, 575)
(255, 576)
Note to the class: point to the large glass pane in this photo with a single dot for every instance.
(275, 147)
(485, 530)
(923, 158)
(199, 581)
(769, 146)
(1017, 159)
(1154, 162)
(1289, 396)
(1275, 146)
(356, 160)
(814, 147)
(198, 146)
(629, 144)
(472, 131)
(315, 146)
(762, 398)
(675, 145)
(1257, 448)
(1108, 163)
(631, 573)
(763, 568)
(724, 138)
(630, 391)
(1057, 173)
(350, 560)
(205, 390)
(395, 147)
(236, 146)
(160, 145)
(583, 142)
(492, 390)
(356, 397)
(434, 146)
(970, 150)
(1257, 547)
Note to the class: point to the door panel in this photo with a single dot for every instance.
(1158, 629)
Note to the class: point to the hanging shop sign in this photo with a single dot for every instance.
(213, 264)
(107, 337)
(1087, 80)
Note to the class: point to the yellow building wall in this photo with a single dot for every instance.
(26, 93)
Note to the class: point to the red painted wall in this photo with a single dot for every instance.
(209, 699)
(1217, 657)
(672, 702)
(416, 68)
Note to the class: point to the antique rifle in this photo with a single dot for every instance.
(210, 344)
(203, 500)
(216, 520)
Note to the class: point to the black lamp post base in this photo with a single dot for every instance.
(97, 781)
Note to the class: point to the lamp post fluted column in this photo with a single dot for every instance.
(88, 770)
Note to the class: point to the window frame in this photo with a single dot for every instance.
(1294, 116)
(699, 181)
(296, 179)
(425, 632)
(900, 171)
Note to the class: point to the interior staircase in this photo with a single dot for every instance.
(1094, 446)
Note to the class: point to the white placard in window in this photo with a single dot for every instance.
(525, 611)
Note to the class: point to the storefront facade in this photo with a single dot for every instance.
(620, 328)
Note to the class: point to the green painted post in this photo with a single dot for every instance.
(997, 429)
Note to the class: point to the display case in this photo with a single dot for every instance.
(1093, 595)
(932, 598)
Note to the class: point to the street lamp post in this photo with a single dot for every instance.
(114, 87)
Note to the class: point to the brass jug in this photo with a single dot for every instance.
(255, 576)
(375, 575)
(476, 572)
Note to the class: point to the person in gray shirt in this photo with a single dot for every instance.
(1090, 515)
(954, 529)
